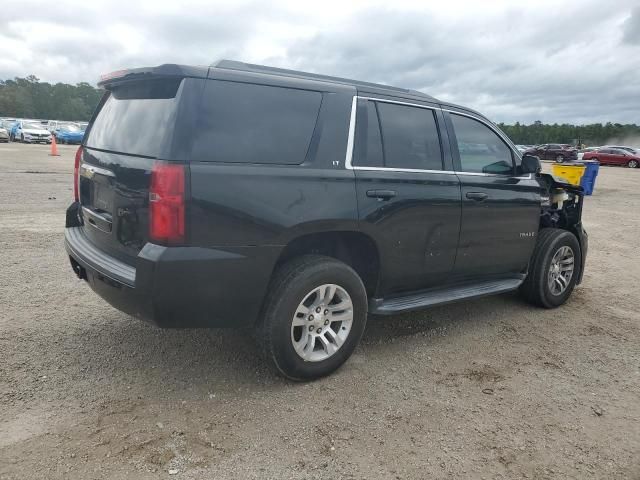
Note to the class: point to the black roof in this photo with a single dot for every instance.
(253, 68)
(169, 70)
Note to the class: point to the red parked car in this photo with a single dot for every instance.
(614, 156)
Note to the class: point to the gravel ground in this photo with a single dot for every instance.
(492, 388)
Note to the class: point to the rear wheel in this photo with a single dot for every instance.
(313, 318)
(554, 268)
(633, 164)
(560, 159)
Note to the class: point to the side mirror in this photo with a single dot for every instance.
(530, 164)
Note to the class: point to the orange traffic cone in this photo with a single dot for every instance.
(54, 147)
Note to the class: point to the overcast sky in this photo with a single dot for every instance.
(556, 61)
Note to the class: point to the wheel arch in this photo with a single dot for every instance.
(355, 248)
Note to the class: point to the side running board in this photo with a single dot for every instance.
(441, 296)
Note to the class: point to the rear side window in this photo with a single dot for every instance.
(481, 149)
(409, 137)
(247, 123)
(136, 118)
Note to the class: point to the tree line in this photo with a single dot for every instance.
(593, 134)
(30, 98)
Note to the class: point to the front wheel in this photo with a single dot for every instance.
(314, 317)
(633, 164)
(553, 269)
(560, 159)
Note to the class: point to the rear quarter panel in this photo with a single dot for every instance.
(269, 205)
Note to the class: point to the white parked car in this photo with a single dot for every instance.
(587, 150)
(31, 133)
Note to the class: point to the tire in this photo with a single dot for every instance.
(537, 288)
(560, 159)
(289, 296)
(633, 164)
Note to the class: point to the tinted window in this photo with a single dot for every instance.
(245, 123)
(481, 149)
(136, 118)
(369, 141)
(409, 137)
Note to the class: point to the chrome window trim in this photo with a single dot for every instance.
(384, 100)
(351, 138)
(352, 131)
(409, 170)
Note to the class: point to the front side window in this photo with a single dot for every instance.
(248, 123)
(481, 149)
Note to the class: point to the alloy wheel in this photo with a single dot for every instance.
(561, 270)
(322, 323)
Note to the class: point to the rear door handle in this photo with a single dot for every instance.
(381, 194)
(477, 196)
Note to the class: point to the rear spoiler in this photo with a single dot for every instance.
(162, 71)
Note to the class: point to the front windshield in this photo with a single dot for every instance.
(71, 128)
(33, 125)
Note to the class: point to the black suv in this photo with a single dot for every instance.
(238, 195)
(554, 151)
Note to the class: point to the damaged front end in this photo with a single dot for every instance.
(561, 207)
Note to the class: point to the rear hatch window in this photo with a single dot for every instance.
(136, 118)
(133, 126)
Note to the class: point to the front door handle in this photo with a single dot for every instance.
(381, 194)
(477, 196)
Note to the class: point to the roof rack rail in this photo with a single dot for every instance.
(254, 68)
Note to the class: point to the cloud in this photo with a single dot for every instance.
(632, 27)
(572, 62)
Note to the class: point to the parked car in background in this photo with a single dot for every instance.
(614, 156)
(70, 133)
(523, 148)
(54, 125)
(30, 132)
(4, 135)
(632, 150)
(7, 124)
(586, 150)
(554, 151)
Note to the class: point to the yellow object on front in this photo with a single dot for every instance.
(571, 173)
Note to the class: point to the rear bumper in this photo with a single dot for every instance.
(177, 287)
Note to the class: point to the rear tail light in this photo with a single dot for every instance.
(76, 174)
(166, 203)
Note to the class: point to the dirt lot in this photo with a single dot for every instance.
(491, 388)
